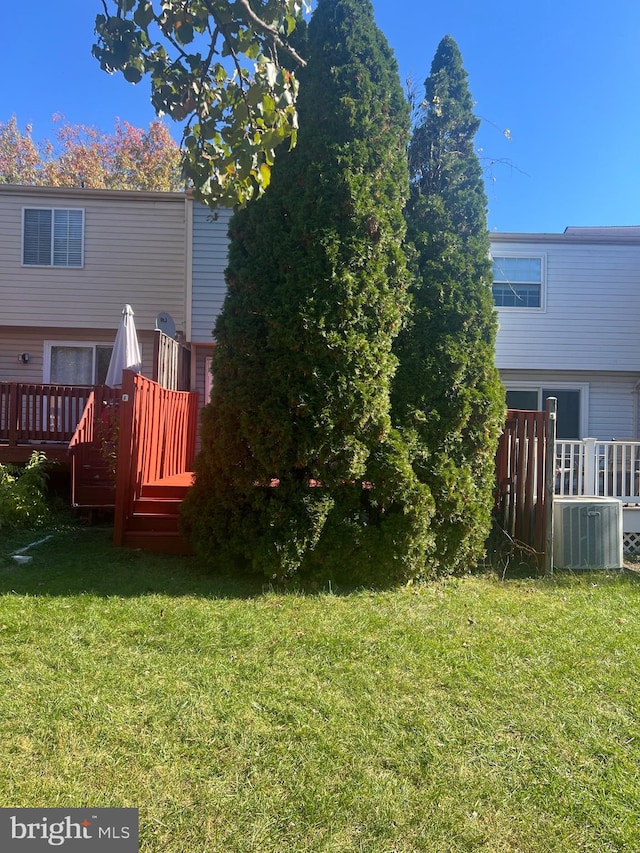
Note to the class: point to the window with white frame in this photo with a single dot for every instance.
(76, 362)
(517, 281)
(52, 237)
(572, 404)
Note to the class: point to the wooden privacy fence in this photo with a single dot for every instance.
(157, 440)
(524, 478)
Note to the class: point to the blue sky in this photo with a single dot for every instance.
(562, 76)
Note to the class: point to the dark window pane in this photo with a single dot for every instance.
(568, 421)
(524, 400)
(36, 249)
(103, 357)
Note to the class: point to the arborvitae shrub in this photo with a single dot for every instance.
(447, 396)
(317, 291)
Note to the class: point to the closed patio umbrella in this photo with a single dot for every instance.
(126, 350)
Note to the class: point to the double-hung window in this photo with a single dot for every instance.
(52, 237)
(517, 282)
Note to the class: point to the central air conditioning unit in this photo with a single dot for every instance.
(587, 533)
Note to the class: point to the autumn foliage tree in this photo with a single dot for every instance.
(20, 158)
(128, 159)
(217, 67)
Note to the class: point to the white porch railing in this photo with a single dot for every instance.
(602, 468)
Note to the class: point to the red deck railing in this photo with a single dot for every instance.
(92, 450)
(38, 412)
(101, 403)
(157, 440)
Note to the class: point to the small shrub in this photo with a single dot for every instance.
(22, 493)
(108, 435)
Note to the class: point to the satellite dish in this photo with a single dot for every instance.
(165, 323)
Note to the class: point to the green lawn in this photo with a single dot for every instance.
(466, 715)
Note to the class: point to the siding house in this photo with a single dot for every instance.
(208, 244)
(569, 321)
(70, 259)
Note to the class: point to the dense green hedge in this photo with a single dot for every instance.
(447, 396)
(317, 292)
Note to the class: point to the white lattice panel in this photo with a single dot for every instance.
(631, 543)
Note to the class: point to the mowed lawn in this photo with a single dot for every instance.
(464, 715)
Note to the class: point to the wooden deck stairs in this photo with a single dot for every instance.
(129, 450)
(156, 448)
(153, 523)
(93, 482)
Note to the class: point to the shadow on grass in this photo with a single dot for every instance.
(82, 560)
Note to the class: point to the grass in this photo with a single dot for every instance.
(465, 715)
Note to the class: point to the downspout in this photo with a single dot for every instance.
(635, 398)
(188, 277)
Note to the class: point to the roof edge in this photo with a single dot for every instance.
(88, 192)
(610, 235)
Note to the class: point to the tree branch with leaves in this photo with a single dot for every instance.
(214, 65)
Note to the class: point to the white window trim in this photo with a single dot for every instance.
(51, 265)
(542, 257)
(48, 345)
(583, 387)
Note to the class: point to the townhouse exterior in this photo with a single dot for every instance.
(569, 316)
(70, 259)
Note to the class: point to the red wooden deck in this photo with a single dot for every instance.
(18, 454)
(157, 438)
(146, 433)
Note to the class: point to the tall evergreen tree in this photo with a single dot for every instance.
(299, 416)
(447, 394)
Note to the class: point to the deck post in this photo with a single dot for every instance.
(123, 474)
(549, 484)
(590, 467)
(14, 399)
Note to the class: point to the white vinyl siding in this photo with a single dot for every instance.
(53, 237)
(15, 340)
(209, 261)
(608, 400)
(591, 313)
(134, 252)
